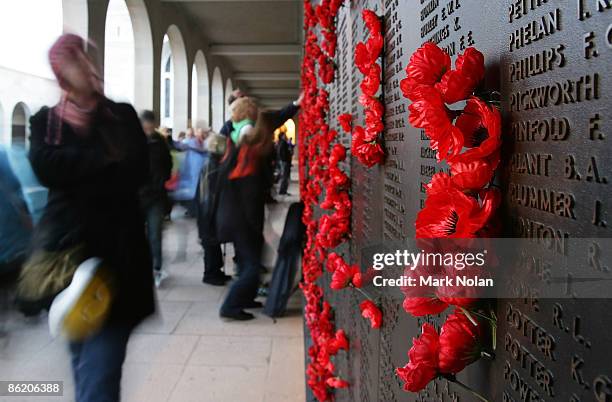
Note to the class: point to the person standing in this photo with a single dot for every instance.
(92, 155)
(153, 195)
(213, 255)
(284, 157)
(239, 204)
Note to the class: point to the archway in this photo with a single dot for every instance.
(218, 100)
(128, 54)
(19, 125)
(174, 82)
(143, 54)
(167, 85)
(229, 88)
(119, 71)
(200, 92)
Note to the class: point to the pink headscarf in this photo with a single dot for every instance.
(71, 48)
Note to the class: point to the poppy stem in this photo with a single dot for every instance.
(362, 292)
(469, 316)
(493, 322)
(465, 387)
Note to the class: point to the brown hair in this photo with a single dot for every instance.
(263, 132)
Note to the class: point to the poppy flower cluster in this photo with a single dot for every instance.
(458, 205)
(366, 142)
(325, 14)
(434, 354)
(320, 174)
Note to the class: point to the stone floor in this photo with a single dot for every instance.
(186, 352)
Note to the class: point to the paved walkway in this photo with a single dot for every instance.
(186, 353)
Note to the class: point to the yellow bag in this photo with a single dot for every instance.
(81, 309)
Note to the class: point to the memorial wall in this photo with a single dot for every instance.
(548, 63)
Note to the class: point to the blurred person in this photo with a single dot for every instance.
(15, 231)
(92, 155)
(213, 255)
(153, 195)
(196, 157)
(190, 134)
(181, 137)
(284, 158)
(240, 198)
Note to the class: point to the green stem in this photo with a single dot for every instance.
(493, 321)
(367, 296)
(465, 387)
(469, 316)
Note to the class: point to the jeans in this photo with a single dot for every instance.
(96, 364)
(154, 218)
(244, 290)
(285, 174)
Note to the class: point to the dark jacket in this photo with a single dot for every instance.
(93, 183)
(239, 203)
(15, 221)
(160, 169)
(284, 151)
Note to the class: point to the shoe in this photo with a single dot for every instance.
(215, 280)
(254, 304)
(239, 316)
(159, 276)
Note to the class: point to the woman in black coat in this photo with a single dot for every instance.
(92, 155)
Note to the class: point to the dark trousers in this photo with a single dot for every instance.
(285, 175)
(213, 260)
(97, 362)
(244, 289)
(154, 218)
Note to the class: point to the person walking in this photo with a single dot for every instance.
(284, 157)
(239, 204)
(92, 155)
(153, 195)
(15, 232)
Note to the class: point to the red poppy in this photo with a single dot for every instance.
(423, 364)
(345, 121)
(371, 20)
(363, 58)
(459, 343)
(336, 382)
(472, 175)
(338, 342)
(374, 46)
(370, 84)
(373, 106)
(480, 125)
(334, 6)
(371, 312)
(368, 153)
(324, 16)
(426, 67)
(338, 153)
(420, 306)
(459, 84)
(449, 212)
(345, 274)
(430, 113)
(326, 69)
